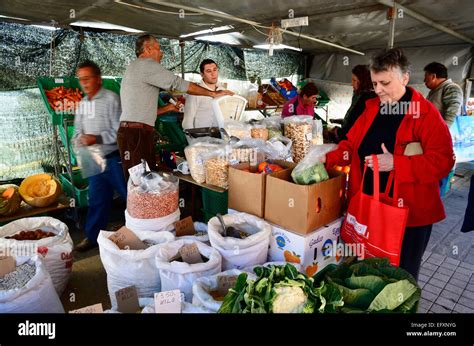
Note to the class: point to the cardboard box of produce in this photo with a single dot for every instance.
(247, 190)
(304, 208)
(313, 251)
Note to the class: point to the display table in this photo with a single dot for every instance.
(29, 211)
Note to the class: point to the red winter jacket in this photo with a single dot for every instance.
(417, 176)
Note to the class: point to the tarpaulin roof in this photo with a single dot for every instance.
(360, 24)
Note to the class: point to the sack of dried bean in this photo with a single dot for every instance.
(132, 267)
(165, 223)
(156, 197)
(176, 274)
(194, 155)
(253, 248)
(300, 130)
(55, 251)
(29, 289)
(200, 235)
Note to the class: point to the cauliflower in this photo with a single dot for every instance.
(289, 299)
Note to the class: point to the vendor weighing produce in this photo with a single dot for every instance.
(139, 94)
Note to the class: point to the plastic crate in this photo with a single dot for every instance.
(214, 203)
(79, 194)
(48, 83)
(170, 129)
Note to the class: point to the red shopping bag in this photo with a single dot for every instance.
(377, 222)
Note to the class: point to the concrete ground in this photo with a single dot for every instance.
(447, 271)
(446, 276)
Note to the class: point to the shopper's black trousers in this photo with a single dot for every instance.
(414, 245)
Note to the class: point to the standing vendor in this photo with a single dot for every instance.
(139, 94)
(95, 124)
(198, 110)
(303, 103)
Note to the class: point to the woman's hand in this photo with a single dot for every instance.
(385, 160)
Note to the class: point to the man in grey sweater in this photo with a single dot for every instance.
(139, 93)
(444, 93)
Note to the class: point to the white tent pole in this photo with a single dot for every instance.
(249, 22)
(391, 33)
(426, 20)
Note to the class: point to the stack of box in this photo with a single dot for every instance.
(306, 219)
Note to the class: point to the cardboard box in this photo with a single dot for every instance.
(247, 190)
(304, 208)
(313, 251)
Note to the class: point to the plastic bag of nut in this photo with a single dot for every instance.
(259, 131)
(217, 166)
(157, 196)
(300, 130)
(194, 156)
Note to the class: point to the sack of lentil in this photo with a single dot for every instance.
(200, 235)
(157, 196)
(132, 267)
(300, 130)
(194, 155)
(248, 247)
(206, 289)
(177, 274)
(45, 236)
(29, 289)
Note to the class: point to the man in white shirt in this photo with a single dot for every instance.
(198, 110)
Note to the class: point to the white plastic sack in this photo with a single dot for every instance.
(199, 227)
(37, 296)
(186, 308)
(204, 285)
(132, 267)
(181, 275)
(240, 253)
(54, 251)
(156, 225)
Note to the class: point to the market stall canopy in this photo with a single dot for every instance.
(359, 25)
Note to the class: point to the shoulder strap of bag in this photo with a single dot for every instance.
(295, 104)
(376, 177)
(391, 179)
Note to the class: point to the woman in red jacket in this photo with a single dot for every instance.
(399, 116)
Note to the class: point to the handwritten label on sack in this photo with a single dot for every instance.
(7, 265)
(127, 300)
(91, 309)
(224, 283)
(184, 227)
(136, 173)
(190, 254)
(125, 239)
(168, 302)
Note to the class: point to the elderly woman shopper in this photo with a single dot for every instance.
(400, 116)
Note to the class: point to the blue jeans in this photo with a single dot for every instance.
(101, 193)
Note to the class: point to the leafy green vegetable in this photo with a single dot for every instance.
(371, 282)
(393, 295)
(309, 175)
(280, 289)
